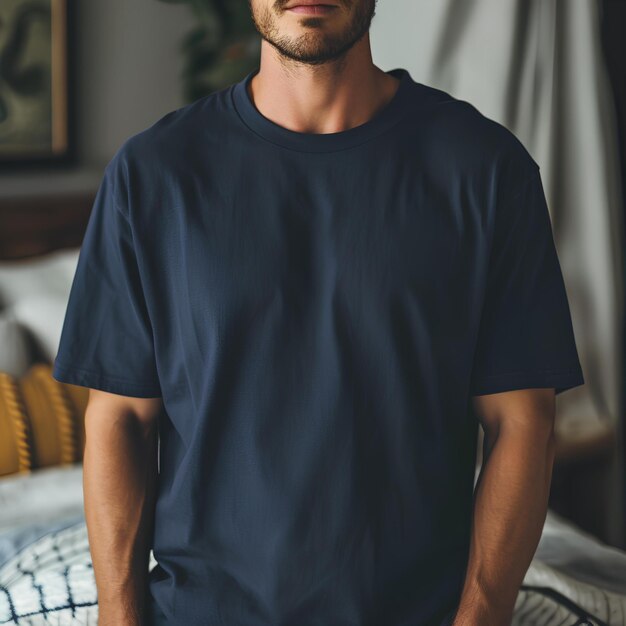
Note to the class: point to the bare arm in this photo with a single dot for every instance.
(510, 501)
(119, 476)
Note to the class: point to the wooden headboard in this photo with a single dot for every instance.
(32, 225)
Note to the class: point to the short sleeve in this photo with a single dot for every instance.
(526, 338)
(106, 340)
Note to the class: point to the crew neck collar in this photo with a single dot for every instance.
(321, 142)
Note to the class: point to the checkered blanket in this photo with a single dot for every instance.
(51, 581)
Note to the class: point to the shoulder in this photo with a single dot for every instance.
(461, 137)
(171, 140)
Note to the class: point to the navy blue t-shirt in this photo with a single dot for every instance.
(316, 312)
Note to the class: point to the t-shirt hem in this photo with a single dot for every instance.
(75, 375)
(561, 380)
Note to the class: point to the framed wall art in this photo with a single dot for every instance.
(34, 82)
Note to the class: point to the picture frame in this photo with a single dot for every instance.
(35, 78)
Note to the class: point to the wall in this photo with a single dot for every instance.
(127, 70)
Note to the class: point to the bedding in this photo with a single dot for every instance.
(46, 575)
(549, 597)
(34, 503)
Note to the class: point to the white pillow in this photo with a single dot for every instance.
(42, 316)
(35, 293)
(45, 275)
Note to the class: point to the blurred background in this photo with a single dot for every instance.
(77, 79)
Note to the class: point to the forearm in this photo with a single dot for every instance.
(119, 477)
(510, 506)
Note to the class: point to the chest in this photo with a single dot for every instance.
(372, 231)
(284, 253)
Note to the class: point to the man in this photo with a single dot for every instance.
(314, 285)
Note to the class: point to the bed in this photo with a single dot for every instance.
(46, 574)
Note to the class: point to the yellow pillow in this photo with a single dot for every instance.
(41, 421)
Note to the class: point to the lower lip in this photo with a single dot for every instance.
(312, 9)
